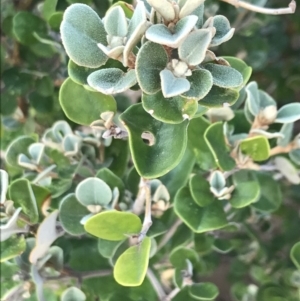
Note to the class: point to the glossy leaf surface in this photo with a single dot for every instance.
(164, 152)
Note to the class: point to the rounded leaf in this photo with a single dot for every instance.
(270, 193)
(240, 66)
(218, 96)
(257, 148)
(288, 113)
(194, 47)
(70, 214)
(201, 82)
(81, 31)
(224, 76)
(131, 267)
(295, 254)
(151, 60)
(204, 291)
(113, 225)
(246, 191)
(20, 191)
(73, 294)
(200, 190)
(25, 24)
(83, 106)
(199, 219)
(215, 139)
(112, 80)
(169, 110)
(12, 247)
(93, 191)
(17, 147)
(165, 147)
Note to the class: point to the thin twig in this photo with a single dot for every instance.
(168, 234)
(147, 217)
(268, 11)
(139, 202)
(172, 294)
(80, 275)
(156, 285)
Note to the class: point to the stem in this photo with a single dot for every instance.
(138, 205)
(268, 11)
(147, 218)
(44, 173)
(156, 285)
(172, 294)
(82, 159)
(80, 275)
(169, 234)
(281, 149)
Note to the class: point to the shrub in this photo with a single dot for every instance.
(155, 162)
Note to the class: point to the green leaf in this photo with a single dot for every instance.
(71, 213)
(73, 294)
(79, 74)
(115, 22)
(200, 190)
(224, 76)
(169, 110)
(218, 96)
(172, 85)
(111, 180)
(179, 256)
(108, 248)
(257, 148)
(8, 104)
(223, 30)
(288, 113)
(83, 106)
(118, 152)
(49, 8)
(55, 20)
(178, 176)
(20, 191)
(131, 267)
(93, 191)
(193, 49)
(151, 59)
(240, 66)
(247, 189)
(215, 140)
(199, 219)
(204, 291)
(81, 31)
(198, 145)
(113, 225)
(42, 104)
(25, 25)
(203, 243)
(295, 255)
(201, 82)
(17, 147)
(166, 146)
(12, 247)
(161, 34)
(270, 193)
(112, 80)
